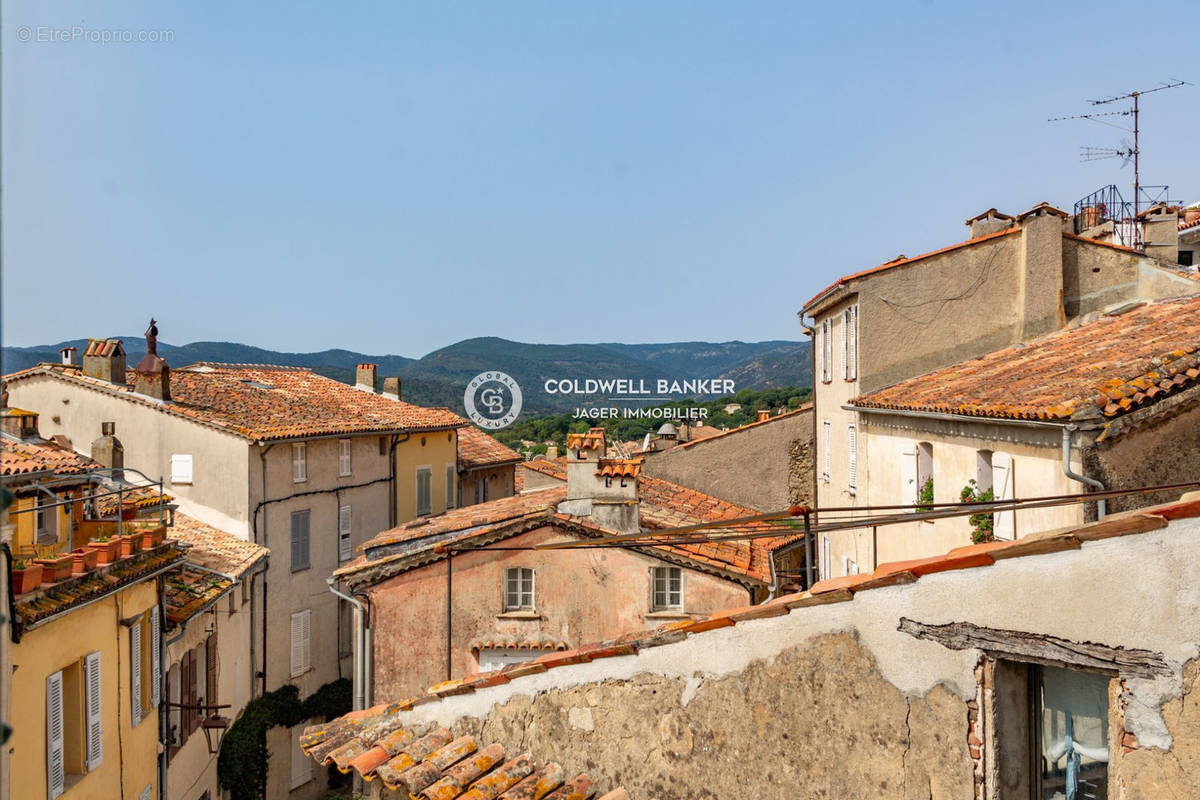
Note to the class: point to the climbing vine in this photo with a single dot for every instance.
(242, 763)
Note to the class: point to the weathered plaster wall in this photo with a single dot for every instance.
(831, 701)
(482, 485)
(763, 454)
(580, 596)
(801, 454)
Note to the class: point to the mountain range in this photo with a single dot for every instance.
(440, 377)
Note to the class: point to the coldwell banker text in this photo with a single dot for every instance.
(639, 387)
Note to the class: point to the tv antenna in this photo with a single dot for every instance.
(1128, 151)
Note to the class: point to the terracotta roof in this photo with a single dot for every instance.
(991, 213)
(903, 260)
(619, 467)
(189, 590)
(756, 423)
(265, 403)
(1186, 226)
(509, 642)
(357, 732)
(592, 440)
(476, 449)
(22, 456)
(37, 606)
(104, 347)
(663, 505)
(137, 498)
(426, 764)
(1106, 367)
(214, 549)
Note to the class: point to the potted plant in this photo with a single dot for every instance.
(56, 568)
(153, 537)
(982, 530)
(26, 576)
(130, 543)
(85, 560)
(925, 496)
(106, 549)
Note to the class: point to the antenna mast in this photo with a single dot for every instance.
(1096, 153)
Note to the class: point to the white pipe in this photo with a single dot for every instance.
(359, 646)
(1101, 505)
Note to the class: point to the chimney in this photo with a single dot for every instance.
(104, 359)
(152, 376)
(764, 415)
(391, 389)
(1040, 264)
(108, 449)
(603, 490)
(67, 356)
(989, 221)
(19, 423)
(1160, 231)
(364, 378)
(551, 451)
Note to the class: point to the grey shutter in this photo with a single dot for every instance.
(300, 531)
(155, 657)
(853, 458)
(135, 673)
(55, 767)
(92, 686)
(344, 526)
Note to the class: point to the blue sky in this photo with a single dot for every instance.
(392, 178)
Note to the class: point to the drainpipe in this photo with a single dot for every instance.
(1101, 506)
(360, 641)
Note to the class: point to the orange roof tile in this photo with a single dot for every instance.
(23, 456)
(215, 549)
(355, 732)
(619, 467)
(592, 440)
(1112, 365)
(188, 591)
(718, 434)
(267, 403)
(476, 449)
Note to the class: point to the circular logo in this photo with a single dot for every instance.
(492, 400)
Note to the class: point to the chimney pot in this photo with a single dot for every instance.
(764, 415)
(68, 356)
(364, 377)
(104, 359)
(108, 450)
(108, 428)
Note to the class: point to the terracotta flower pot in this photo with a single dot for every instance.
(153, 538)
(56, 569)
(27, 579)
(106, 552)
(85, 560)
(130, 543)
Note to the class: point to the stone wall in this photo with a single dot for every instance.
(765, 454)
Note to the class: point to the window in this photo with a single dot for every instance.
(424, 490)
(853, 479)
(916, 476)
(850, 343)
(301, 763)
(345, 466)
(299, 462)
(345, 549)
(451, 486)
(518, 589)
(1004, 523)
(144, 676)
(181, 468)
(668, 589)
(74, 722)
(825, 461)
(826, 350)
(301, 642)
(300, 532)
(47, 521)
(1185, 258)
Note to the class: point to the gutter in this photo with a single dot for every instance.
(1101, 505)
(903, 412)
(361, 636)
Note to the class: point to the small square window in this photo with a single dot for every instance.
(668, 589)
(518, 589)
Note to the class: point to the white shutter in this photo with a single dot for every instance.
(845, 344)
(1003, 488)
(344, 546)
(301, 641)
(825, 463)
(299, 462)
(344, 464)
(853, 458)
(135, 673)
(155, 658)
(826, 350)
(181, 468)
(825, 564)
(852, 337)
(55, 767)
(92, 687)
(908, 478)
(301, 764)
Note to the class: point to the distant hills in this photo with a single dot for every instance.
(440, 377)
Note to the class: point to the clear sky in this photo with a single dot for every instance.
(394, 177)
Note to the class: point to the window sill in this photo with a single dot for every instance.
(519, 615)
(668, 613)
